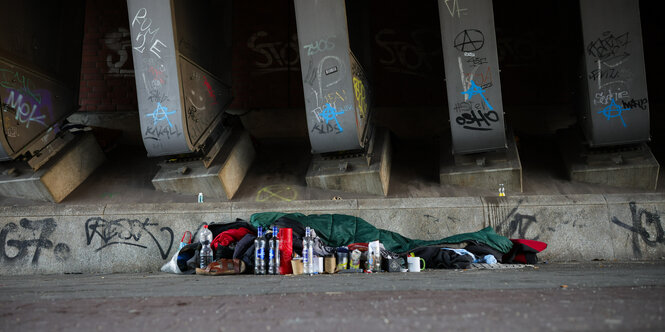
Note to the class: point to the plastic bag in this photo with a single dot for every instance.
(172, 265)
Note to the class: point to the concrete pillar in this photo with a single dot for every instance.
(335, 87)
(481, 155)
(616, 105)
(181, 52)
(472, 75)
(615, 108)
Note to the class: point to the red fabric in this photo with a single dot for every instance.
(227, 237)
(360, 246)
(285, 237)
(535, 245)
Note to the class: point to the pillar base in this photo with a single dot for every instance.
(483, 170)
(220, 181)
(632, 166)
(351, 173)
(54, 181)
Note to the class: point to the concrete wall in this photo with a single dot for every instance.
(141, 237)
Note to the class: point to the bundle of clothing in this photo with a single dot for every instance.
(235, 240)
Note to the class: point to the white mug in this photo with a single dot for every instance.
(414, 264)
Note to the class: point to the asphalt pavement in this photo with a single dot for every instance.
(564, 296)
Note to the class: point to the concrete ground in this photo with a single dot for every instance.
(573, 296)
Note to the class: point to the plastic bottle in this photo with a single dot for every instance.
(374, 256)
(502, 190)
(205, 237)
(308, 252)
(273, 252)
(260, 252)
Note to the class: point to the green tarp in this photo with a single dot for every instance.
(340, 230)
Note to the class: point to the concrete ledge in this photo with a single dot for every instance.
(141, 237)
(58, 177)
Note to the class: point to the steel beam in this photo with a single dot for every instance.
(181, 52)
(616, 105)
(336, 91)
(472, 75)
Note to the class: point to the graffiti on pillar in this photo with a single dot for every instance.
(320, 46)
(609, 52)
(161, 113)
(360, 90)
(475, 115)
(27, 110)
(16, 241)
(454, 8)
(131, 232)
(26, 104)
(152, 72)
(469, 40)
(361, 100)
(645, 227)
(147, 35)
(614, 111)
(277, 56)
(641, 103)
(329, 100)
(118, 41)
(610, 49)
(12, 79)
(475, 111)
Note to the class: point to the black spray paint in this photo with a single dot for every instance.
(127, 232)
(642, 218)
(31, 233)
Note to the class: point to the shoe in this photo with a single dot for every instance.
(223, 266)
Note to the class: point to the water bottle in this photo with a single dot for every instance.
(502, 190)
(205, 237)
(260, 252)
(273, 252)
(308, 252)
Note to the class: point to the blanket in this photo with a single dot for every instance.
(338, 230)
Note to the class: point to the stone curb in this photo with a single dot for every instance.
(141, 237)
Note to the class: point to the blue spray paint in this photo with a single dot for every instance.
(613, 110)
(330, 113)
(474, 89)
(161, 113)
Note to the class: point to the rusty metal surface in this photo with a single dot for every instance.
(40, 62)
(205, 98)
(32, 106)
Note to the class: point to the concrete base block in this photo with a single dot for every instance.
(351, 173)
(483, 170)
(620, 166)
(58, 178)
(221, 180)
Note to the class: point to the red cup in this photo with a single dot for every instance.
(285, 237)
